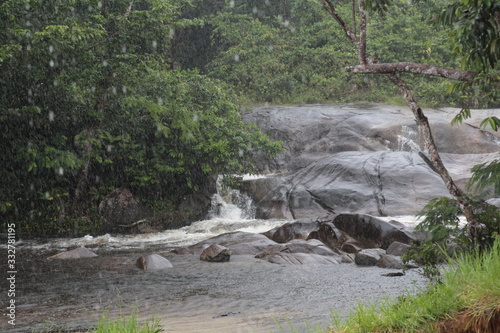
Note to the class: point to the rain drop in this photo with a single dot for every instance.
(231, 3)
(271, 47)
(160, 101)
(51, 49)
(114, 90)
(60, 171)
(124, 48)
(172, 33)
(105, 63)
(51, 116)
(99, 5)
(236, 57)
(155, 44)
(124, 89)
(47, 195)
(109, 148)
(255, 10)
(52, 63)
(32, 187)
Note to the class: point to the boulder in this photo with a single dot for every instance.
(215, 253)
(371, 232)
(153, 262)
(77, 253)
(329, 235)
(368, 257)
(294, 230)
(350, 248)
(313, 246)
(303, 259)
(121, 211)
(397, 249)
(390, 261)
(301, 251)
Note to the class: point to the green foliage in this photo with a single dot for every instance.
(441, 224)
(469, 282)
(447, 236)
(484, 175)
(90, 102)
(292, 52)
(126, 325)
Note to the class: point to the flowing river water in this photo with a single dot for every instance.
(243, 295)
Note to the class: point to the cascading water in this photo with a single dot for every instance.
(230, 211)
(235, 206)
(408, 139)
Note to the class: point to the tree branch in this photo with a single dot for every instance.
(415, 68)
(362, 33)
(330, 8)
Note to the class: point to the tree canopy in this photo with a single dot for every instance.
(91, 101)
(97, 95)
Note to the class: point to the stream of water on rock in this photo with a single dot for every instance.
(243, 295)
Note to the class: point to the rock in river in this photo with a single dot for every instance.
(153, 262)
(215, 253)
(77, 253)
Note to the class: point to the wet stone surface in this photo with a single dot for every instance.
(193, 296)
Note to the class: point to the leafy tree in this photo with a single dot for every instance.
(90, 101)
(357, 32)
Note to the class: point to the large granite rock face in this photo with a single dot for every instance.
(360, 158)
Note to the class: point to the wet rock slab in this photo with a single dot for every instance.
(77, 253)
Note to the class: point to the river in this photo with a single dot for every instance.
(243, 295)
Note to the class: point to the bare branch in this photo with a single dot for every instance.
(330, 8)
(415, 68)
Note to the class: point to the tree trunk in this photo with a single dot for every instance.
(369, 66)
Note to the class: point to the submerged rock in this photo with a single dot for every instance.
(238, 242)
(77, 253)
(153, 262)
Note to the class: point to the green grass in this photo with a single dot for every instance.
(126, 325)
(470, 285)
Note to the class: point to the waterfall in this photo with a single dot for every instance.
(408, 139)
(230, 204)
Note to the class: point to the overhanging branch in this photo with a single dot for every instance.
(415, 68)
